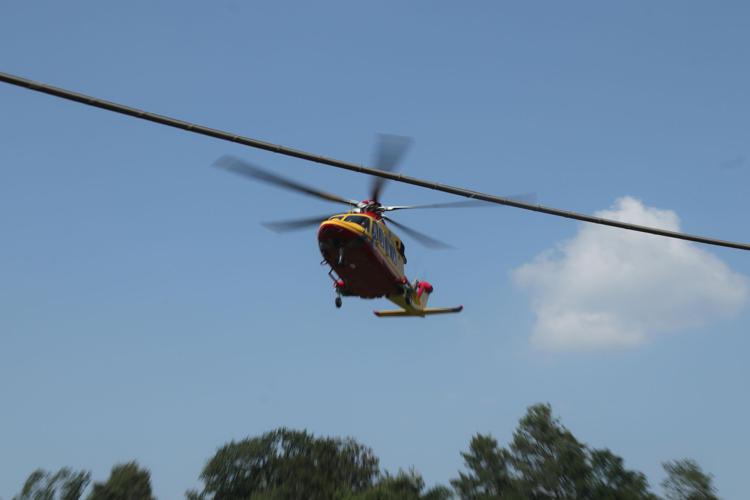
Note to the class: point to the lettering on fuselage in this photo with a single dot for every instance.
(386, 244)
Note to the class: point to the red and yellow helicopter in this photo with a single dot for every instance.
(365, 256)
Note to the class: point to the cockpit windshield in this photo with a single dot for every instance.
(362, 220)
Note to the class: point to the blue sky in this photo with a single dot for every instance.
(145, 313)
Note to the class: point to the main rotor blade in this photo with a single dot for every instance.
(254, 172)
(296, 153)
(389, 151)
(284, 226)
(422, 238)
(459, 204)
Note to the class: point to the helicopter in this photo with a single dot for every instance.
(365, 256)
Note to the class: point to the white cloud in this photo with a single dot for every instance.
(609, 287)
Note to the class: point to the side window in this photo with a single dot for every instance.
(390, 250)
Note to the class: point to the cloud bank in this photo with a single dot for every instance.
(609, 288)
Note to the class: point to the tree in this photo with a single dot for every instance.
(544, 460)
(549, 461)
(126, 482)
(403, 486)
(288, 464)
(63, 485)
(610, 480)
(687, 481)
(488, 474)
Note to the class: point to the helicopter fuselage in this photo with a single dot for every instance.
(366, 256)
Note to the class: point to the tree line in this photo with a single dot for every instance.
(543, 461)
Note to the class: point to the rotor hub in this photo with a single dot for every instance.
(370, 206)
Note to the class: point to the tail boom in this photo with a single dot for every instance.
(413, 302)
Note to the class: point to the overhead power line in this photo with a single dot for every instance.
(275, 148)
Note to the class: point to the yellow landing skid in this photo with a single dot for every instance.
(418, 312)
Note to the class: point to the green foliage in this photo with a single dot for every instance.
(403, 486)
(545, 460)
(438, 492)
(288, 464)
(489, 470)
(610, 480)
(126, 482)
(62, 485)
(687, 481)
